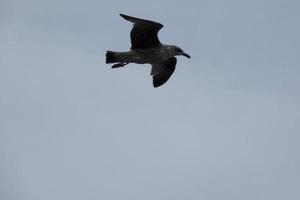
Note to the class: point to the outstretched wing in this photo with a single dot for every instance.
(161, 73)
(144, 32)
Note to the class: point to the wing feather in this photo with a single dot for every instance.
(162, 73)
(144, 33)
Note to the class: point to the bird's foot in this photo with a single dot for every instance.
(119, 65)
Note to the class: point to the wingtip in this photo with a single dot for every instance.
(123, 15)
(157, 84)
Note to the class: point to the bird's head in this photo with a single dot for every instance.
(177, 51)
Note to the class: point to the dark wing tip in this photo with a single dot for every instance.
(159, 81)
(122, 15)
(129, 18)
(157, 84)
(139, 20)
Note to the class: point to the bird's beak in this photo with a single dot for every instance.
(186, 55)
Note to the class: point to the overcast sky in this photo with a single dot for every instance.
(226, 126)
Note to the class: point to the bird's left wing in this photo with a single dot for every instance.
(161, 73)
(144, 32)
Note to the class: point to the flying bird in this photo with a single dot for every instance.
(147, 49)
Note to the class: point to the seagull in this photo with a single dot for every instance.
(147, 49)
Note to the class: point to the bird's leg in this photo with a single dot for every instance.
(119, 65)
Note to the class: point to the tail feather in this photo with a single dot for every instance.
(111, 57)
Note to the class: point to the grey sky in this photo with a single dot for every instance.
(225, 126)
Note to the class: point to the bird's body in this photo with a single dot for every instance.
(147, 49)
(152, 55)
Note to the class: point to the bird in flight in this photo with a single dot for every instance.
(147, 49)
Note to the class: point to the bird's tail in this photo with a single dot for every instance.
(111, 57)
(116, 57)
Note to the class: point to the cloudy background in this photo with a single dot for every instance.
(225, 126)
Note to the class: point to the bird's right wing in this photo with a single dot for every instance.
(144, 32)
(161, 73)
